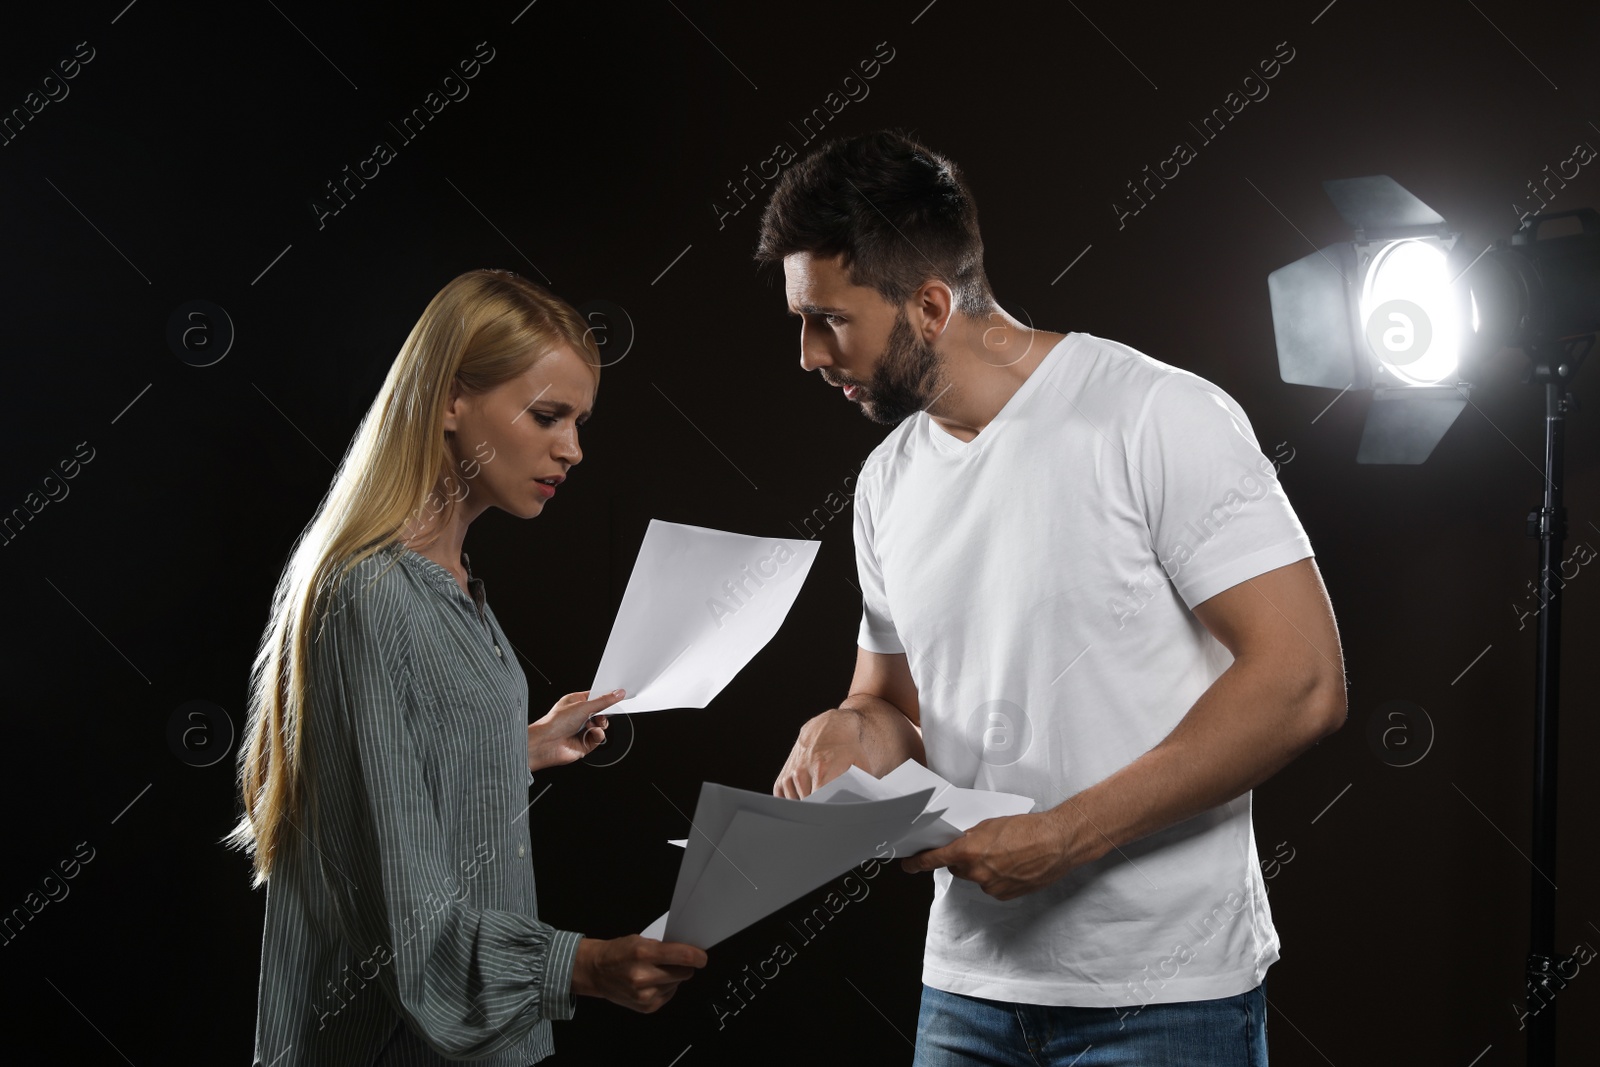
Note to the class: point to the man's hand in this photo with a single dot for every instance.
(828, 745)
(640, 973)
(1008, 857)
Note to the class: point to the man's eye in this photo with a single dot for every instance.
(829, 319)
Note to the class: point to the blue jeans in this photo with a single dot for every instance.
(960, 1031)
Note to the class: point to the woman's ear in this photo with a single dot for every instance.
(452, 405)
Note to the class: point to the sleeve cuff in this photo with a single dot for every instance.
(558, 999)
(884, 644)
(1196, 589)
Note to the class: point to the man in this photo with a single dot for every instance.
(1081, 583)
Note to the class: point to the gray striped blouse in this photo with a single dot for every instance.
(401, 922)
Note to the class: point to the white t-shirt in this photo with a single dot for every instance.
(1040, 579)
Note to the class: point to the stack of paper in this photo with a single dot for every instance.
(748, 854)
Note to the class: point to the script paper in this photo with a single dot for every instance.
(749, 854)
(699, 605)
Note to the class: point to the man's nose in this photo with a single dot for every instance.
(813, 353)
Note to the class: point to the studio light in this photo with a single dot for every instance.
(1406, 310)
(1378, 312)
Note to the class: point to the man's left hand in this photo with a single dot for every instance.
(1008, 857)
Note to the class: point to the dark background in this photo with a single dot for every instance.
(590, 151)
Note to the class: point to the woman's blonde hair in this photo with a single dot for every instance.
(482, 329)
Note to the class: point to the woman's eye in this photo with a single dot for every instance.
(544, 420)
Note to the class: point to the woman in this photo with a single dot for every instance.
(384, 773)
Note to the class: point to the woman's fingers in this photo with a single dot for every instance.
(578, 716)
(596, 717)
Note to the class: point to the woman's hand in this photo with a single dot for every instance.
(637, 972)
(560, 737)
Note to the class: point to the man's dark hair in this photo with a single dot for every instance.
(899, 212)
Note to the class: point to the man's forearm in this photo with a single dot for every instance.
(1246, 727)
(887, 736)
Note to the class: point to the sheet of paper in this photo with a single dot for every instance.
(856, 781)
(763, 863)
(952, 810)
(699, 605)
(756, 852)
(964, 808)
(750, 853)
(718, 804)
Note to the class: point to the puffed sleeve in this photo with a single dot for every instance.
(467, 980)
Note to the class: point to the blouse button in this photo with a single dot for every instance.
(519, 850)
(497, 652)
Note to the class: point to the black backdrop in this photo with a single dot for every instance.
(595, 149)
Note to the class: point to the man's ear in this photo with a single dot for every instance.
(932, 306)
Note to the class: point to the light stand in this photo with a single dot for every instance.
(1555, 370)
(1544, 296)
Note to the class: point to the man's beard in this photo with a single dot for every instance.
(905, 375)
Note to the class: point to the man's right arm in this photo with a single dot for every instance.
(877, 728)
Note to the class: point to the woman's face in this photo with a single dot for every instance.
(521, 431)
